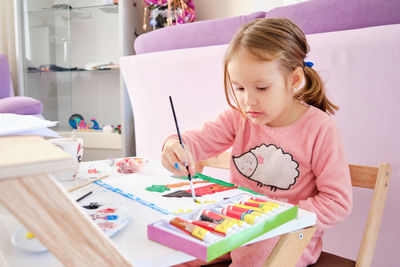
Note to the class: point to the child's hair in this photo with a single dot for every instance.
(278, 38)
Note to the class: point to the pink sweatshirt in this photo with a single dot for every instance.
(302, 163)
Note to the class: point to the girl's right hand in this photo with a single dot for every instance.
(175, 159)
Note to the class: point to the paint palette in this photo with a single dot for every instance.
(25, 241)
(109, 217)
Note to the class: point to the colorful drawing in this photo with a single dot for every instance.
(179, 194)
(201, 191)
(159, 197)
(161, 188)
(211, 189)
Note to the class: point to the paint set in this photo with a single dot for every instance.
(211, 231)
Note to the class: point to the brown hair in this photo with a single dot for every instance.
(277, 38)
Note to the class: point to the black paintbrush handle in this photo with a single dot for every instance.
(179, 133)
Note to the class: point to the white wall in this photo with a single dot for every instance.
(212, 9)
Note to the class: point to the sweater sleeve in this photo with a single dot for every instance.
(333, 201)
(213, 137)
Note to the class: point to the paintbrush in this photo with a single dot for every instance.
(180, 141)
(85, 195)
(86, 183)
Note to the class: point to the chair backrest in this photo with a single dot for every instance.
(375, 178)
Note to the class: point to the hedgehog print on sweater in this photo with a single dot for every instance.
(268, 166)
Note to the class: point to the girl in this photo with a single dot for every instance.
(284, 144)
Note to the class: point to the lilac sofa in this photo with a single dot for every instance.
(14, 104)
(314, 16)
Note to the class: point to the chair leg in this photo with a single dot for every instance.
(290, 248)
(42, 205)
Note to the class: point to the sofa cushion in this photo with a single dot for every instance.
(201, 33)
(316, 16)
(20, 105)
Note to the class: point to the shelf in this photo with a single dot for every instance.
(74, 71)
(104, 8)
(97, 139)
(86, 12)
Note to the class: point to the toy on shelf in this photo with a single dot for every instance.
(161, 13)
(74, 120)
(95, 124)
(77, 122)
(118, 128)
(108, 129)
(83, 125)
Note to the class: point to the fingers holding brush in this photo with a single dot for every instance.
(190, 162)
(180, 153)
(176, 159)
(172, 163)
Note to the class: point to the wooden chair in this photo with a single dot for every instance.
(375, 178)
(39, 202)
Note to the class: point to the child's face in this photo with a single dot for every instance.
(261, 89)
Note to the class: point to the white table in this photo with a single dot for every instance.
(131, 241)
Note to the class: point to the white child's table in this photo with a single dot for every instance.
(39, 202)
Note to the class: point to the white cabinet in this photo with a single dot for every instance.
(68, 55)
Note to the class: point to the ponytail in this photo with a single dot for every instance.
(313, 92)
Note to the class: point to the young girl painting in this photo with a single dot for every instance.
(284, 143)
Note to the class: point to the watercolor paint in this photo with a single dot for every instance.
(221, 229)
(218, 230)
(209, 216)
(264, 202)
(264, 207)
(92, 206)
(244, 210)
(237, 222)
(193, 230)
(29, 235)
(243, 216)
(109, 217)
(260, 210)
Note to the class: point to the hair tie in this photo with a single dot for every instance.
(308, 64)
